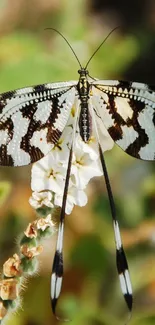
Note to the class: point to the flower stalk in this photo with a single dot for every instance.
(24, 264)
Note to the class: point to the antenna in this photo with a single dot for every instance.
(100, 46)
(55, 30)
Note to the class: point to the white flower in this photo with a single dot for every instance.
(37, 200)
(74, 197)
(85, 164)
(90, 147)
(48, 174)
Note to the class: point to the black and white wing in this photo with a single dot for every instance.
(127, 110)
(32, 120)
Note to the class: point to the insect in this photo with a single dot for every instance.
(32, 119)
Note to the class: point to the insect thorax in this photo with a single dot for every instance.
(85, 120)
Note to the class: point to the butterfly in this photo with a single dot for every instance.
(32, 120)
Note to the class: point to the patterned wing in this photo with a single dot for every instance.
(127, 110)
(32, 120)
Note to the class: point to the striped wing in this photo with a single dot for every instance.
(127, 110)
(32, 120)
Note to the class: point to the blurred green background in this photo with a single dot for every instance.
(30, 55)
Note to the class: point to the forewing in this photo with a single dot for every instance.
(32, 120)
(127, 110)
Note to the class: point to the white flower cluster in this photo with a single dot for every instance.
(49, 173)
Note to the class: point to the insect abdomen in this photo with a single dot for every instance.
(85, 122)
